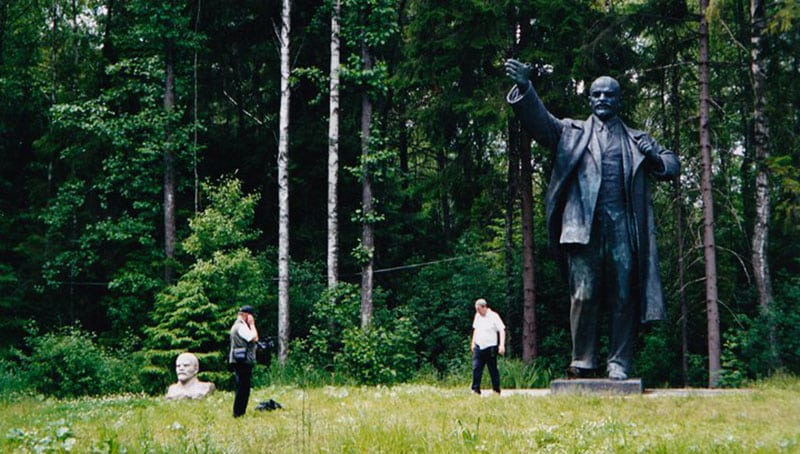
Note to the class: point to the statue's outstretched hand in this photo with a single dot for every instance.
(519, 72)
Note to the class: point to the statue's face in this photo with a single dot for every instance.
(186, 367)
(605, 98)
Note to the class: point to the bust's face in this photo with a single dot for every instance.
(186, 368)
(605, 98)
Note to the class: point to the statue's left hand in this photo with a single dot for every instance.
(519, 72)
(650, 149)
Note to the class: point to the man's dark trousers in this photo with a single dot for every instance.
(485, 357)
(243, 372)
(599, 272)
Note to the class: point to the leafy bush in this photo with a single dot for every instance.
(748, 354)
(296, 372)
(336, 345)
(334, 311)
(70, 363)
(12, 381)
(656, 360)
(515, 374)
(380, 355)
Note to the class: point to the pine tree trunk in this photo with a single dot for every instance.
(283, 189)
(169, 162)
(680, 240)
(709, 246)
(333, 151)
(761, 271)
(368, 234)
(530, 347)
(512, 192)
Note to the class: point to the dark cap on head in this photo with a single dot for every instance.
(248, 309)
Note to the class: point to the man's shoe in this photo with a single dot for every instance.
(616, 372)
(576, 372)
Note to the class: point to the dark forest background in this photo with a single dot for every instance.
(89, 132)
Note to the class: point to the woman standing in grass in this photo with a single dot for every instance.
(242, 356)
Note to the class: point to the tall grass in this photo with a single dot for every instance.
(411, 418)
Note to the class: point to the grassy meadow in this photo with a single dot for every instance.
(412, 418)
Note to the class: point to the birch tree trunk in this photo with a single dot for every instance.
(709, 246)
(169, 161)
(761, 271)
(368, 233)
(333, 150)
(283, 189)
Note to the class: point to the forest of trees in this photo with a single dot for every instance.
(351, 169)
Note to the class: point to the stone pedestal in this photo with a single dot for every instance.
(596, 386)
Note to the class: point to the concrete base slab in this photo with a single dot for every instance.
(596, 386)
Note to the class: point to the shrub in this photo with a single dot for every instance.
(69, 363)
(515, 374)
(380, 355)
(12, 382)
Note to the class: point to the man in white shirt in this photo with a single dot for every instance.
(488, 339)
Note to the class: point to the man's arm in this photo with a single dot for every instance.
(501, 331)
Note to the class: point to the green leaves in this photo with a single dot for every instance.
(195, 313)
(226, 223)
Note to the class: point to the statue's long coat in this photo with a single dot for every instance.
(574, 184)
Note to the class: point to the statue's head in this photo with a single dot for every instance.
(186, 367)
(605, 97)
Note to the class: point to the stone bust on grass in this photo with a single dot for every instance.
(188, 386)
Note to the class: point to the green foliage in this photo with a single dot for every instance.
(225, 223)
(515, 374)
(83, 131)
(383, 353)
(336, 310)
(195, 313)
(441, 296)
(657, 356)
(13, 381)
(380, 354)
(748, 354)
(70, 363)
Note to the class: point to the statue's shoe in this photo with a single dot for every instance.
(616, 372)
